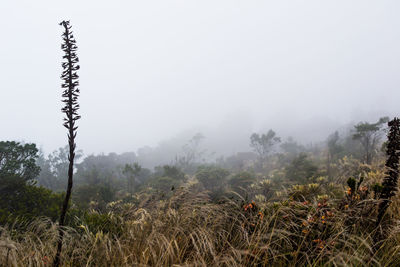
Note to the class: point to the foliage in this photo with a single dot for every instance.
(165, 184)
(213, 179)
(301, 169)
(241, 181)
(132, 172)
(334, 147)
(54, 168)
(93, 196)
(95, 169)
(316, 232)
(369, 135)
(389, 185)
(334, 151)
(290, 212)
(173, 172)
(18, 160)
(102, 222)
(19, 197)
(318, 223)
(27, 202)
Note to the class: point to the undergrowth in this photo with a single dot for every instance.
(305, 227)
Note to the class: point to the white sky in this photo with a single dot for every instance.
(152, 69)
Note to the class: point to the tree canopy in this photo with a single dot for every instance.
(18, 160)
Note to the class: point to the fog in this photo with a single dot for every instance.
(165, 70)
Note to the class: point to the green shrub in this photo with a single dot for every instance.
(28, 202)
(93, 196)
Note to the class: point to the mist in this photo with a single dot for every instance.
(152, 72)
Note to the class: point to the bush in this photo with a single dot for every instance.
(241, 181)
(164, 184)
(28, 202)
(93, 196)
(212, 178)
(301, 169)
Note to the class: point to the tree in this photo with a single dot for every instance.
(369, 135)
(101, 168)
(54, 167)
(70, 99)
(18, 160)
(191, 152)
(263, 145)
(19, 197)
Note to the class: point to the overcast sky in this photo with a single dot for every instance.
(152, 69)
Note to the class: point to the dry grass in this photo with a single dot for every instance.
(190, 230)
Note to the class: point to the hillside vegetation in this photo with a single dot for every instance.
(284, 204)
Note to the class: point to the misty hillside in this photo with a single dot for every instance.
(199, 133)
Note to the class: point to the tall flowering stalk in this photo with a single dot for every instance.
(70, 99)
(389, 185)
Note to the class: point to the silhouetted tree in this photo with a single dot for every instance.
(70, 99)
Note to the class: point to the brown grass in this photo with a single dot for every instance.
(189, 230)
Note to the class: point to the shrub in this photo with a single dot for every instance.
(241, 181)
(98, 194)
(301, 169)
(213, 179)
(28, 202)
